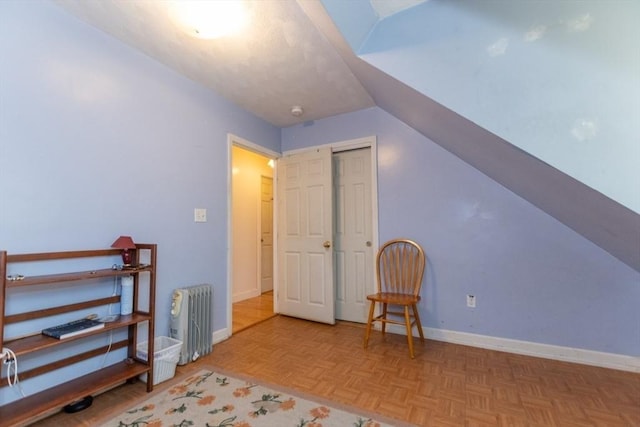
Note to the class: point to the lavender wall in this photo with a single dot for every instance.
(98, 140)
(535, 279)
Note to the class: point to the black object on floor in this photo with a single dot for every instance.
(78, 405)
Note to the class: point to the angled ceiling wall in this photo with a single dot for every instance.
(545, 101)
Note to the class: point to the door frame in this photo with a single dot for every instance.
(351, 144)
(234, 140)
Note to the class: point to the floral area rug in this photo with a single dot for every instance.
(211, 399)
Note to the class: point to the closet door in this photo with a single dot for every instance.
(353, 233)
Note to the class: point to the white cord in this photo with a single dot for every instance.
(195, 355)
(109, 314)
(10, 357)
(104, 358)
(12, 360)
(113, 294)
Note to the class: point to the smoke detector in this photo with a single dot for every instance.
(296, 111)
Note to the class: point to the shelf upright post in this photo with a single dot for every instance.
(3, 293)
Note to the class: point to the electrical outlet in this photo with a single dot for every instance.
(471, 301)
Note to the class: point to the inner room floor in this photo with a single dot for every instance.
(251, 311)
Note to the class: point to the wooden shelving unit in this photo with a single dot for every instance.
(49, 401)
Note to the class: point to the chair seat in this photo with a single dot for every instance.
(393, 298)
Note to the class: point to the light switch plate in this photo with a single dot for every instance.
(200, 215)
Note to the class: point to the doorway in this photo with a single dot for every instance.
(251, 311)
(249, 294)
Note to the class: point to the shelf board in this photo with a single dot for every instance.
(73, 277)
(51, 400)
(37, 342)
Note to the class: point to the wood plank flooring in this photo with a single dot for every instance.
(445, 385)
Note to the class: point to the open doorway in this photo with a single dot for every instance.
(250, 236)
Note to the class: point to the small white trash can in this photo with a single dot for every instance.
(166, 353)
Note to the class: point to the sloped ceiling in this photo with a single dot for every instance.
(560, 80)
(298, 53)
(384, 8)
(597, 217)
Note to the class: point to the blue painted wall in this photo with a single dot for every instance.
(99, 140)
(535, 279)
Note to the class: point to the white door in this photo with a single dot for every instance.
(305, 261)
(353, 235)
(266, 234)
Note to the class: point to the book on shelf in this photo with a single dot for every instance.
(74, 328)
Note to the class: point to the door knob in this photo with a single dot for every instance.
(327, 244)
(368, 243)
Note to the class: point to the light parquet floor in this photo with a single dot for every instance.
(251, 311)
(445, 385)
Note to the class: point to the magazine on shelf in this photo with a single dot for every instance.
(74, 328)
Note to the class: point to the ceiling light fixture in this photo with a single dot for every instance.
(296, 111)
(209, 19)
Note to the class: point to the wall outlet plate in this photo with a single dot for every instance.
(471, 301)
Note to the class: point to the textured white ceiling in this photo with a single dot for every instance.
(280, 61)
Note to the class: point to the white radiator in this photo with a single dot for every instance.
(191, 318)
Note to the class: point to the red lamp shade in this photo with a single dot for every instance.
(125, 243)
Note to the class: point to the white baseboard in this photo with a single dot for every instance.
(220, 335)
(241, 296)
(547, 351)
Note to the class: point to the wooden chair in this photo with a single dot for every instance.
(400, 265)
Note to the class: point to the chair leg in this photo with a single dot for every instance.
(384, 317)
(407, 320)
(418, 322)
(367, 331)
